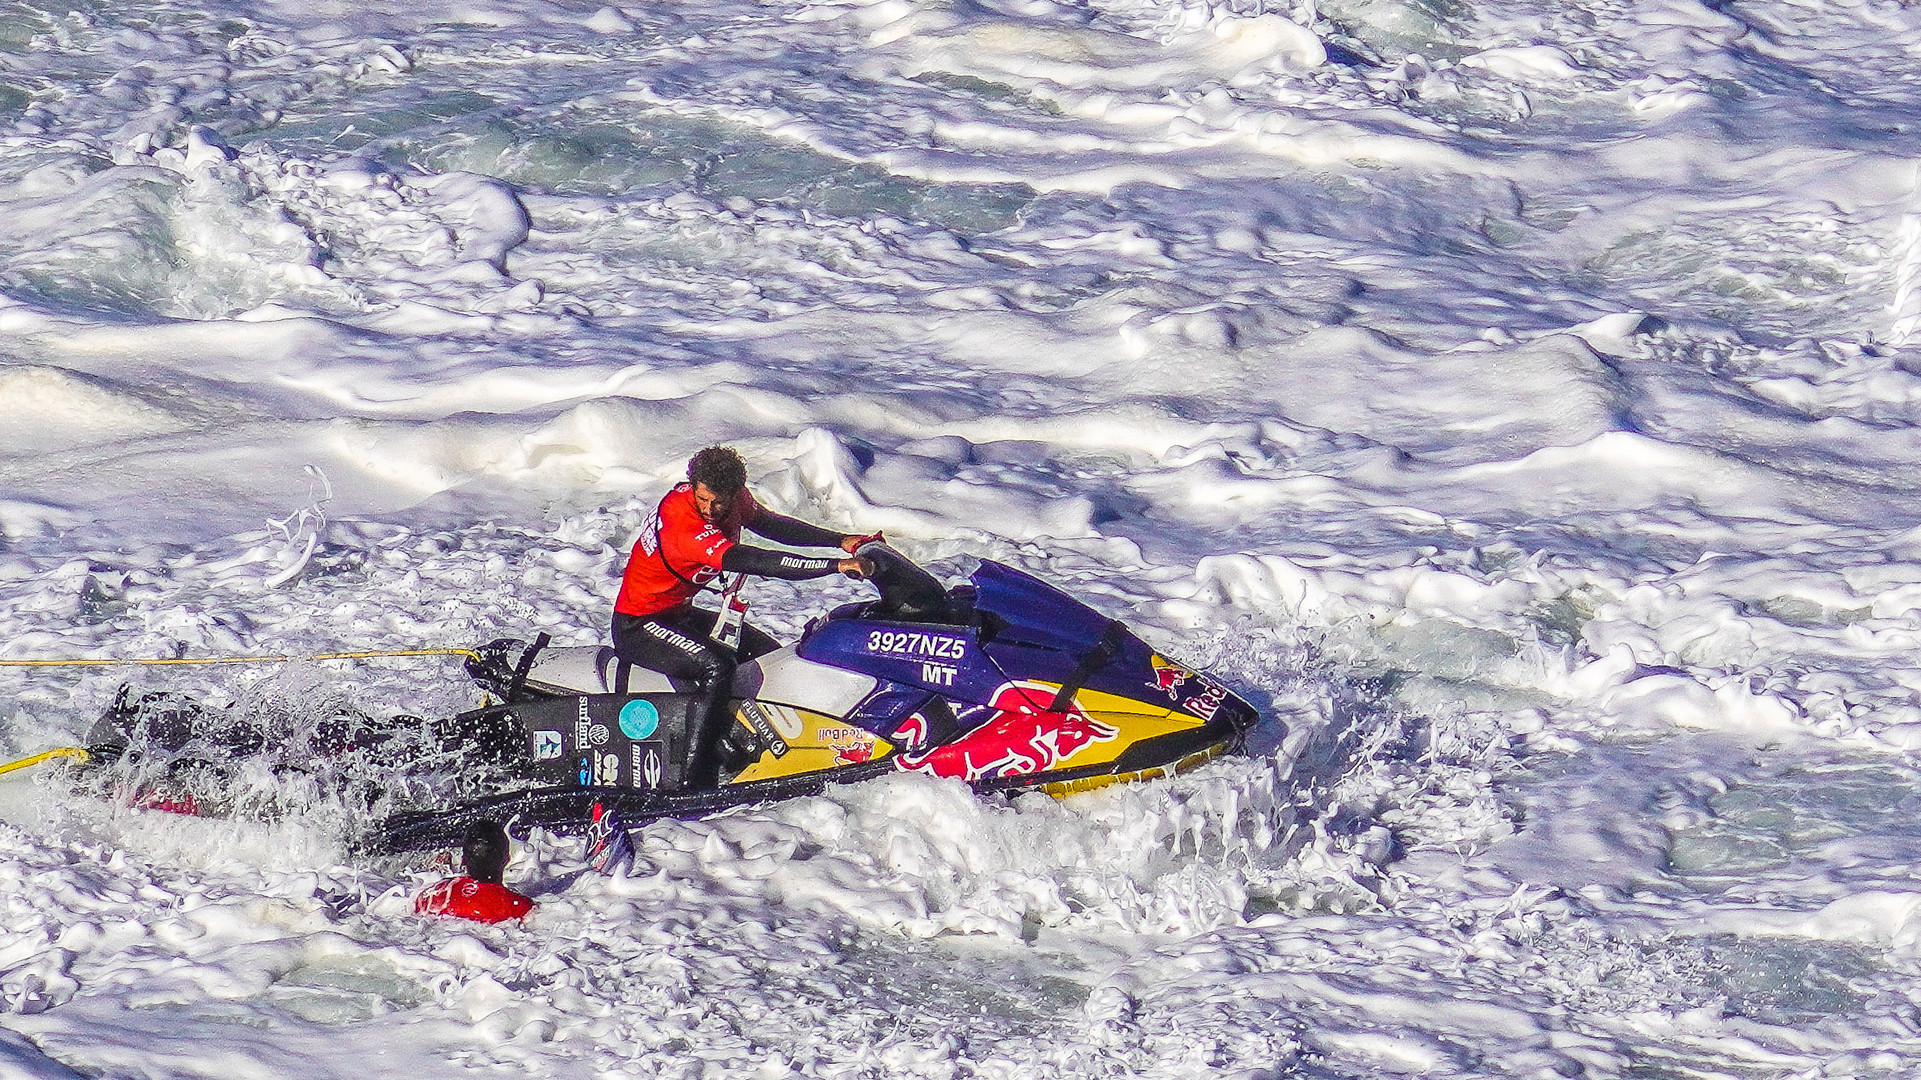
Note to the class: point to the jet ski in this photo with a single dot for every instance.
(1005, 682)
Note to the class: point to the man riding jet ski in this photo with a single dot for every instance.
(1004, 683)
(691, 539)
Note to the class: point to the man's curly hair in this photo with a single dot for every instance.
(719, 468)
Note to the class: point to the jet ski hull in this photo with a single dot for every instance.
(627, 752)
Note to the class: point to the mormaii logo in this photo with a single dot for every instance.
(1023, 737)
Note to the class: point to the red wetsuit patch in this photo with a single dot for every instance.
(465, 898)
(678, 552)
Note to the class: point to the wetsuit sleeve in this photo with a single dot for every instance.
(742, 559)
(785, 530)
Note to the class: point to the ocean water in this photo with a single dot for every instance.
(1517, 401)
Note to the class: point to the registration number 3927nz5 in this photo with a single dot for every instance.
(912, 643)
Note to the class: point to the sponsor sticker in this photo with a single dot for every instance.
(756, 716)
(645, 764)
(1168, 677)
(547, 745)
(1023, 737)
(639, 719)
(606, 769)
(851, 746)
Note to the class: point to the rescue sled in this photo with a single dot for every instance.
(1005, 683)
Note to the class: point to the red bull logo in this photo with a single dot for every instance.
(851, 747)
(856, 754)
(1024, 736)
(1168, 677)
(912, 733)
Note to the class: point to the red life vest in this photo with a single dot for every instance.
(678, 552)
(465, 898)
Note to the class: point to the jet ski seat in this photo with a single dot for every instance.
(592, 669)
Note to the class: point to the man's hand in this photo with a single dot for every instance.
(859, 569)
(851, 544)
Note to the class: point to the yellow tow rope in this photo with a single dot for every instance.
(469, 653)
(59, 752)
(78, 754)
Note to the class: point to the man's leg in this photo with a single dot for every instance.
(738, 747)
(676, 644)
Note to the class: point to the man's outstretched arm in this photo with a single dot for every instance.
(782, 529)
(760, 562)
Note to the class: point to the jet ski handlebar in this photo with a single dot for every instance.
(906, 591)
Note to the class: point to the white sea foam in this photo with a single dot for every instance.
(1515, 401)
